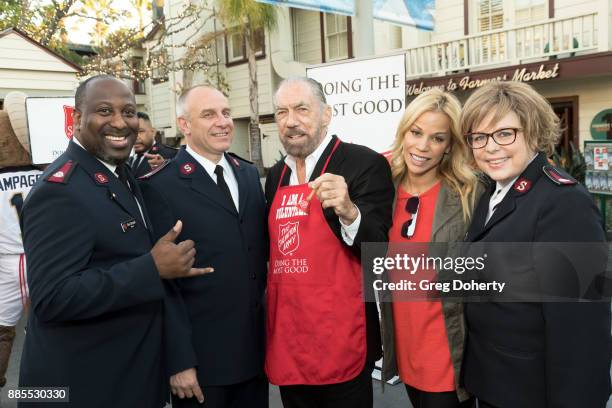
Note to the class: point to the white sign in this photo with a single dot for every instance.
(50, 127)
(367, 99)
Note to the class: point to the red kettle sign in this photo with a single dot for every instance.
(68, 121)
(50, 125)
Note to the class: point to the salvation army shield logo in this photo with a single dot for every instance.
(68, 121)
(288, 237)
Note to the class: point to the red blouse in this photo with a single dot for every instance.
(421, 343)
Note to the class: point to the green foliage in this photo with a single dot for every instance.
(43, 21)
(572, 161)
(238, 12)
(10, 12)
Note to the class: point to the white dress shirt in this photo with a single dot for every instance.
(112, 168)
(228, 172)
(348, 231)
(500, 192)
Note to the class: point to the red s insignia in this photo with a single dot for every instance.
(522, 185)
(101, 178)
(68, 121)
(187, 168)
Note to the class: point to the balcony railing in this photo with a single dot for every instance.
(505, 46)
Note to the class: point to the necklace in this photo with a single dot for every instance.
(418, 192)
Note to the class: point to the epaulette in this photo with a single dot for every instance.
(154, 171)
(558, 177)
(62, 175)
(235, 156)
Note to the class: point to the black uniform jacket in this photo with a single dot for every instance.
(215, 322)
(164, 151)
(96, 320)
(538, 355)
(368, 177)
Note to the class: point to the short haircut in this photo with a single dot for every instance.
(315, 87)
(180, 103)
(539, 122)
(81, 91)
(144, 116)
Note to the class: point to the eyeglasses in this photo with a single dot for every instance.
(412, 208)
(502, 137)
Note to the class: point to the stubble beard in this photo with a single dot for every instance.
(303, 151)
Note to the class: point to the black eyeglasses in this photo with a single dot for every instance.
(412, 208)
(502, 137)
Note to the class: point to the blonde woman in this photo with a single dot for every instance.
(435, 194)
(531, 355)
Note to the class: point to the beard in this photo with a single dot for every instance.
(110, 156)
(304, 149)
(114, 160)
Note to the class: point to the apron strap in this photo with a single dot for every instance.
(330, 156)
(280, 180)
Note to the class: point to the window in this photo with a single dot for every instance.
(528, 11)
(490, 16)
(159, 67)
(138, 84)
(531, 41)
(336, 37)
(236, 46)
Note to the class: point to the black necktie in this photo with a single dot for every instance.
(136, 161)
(223, 185)
(120, 170)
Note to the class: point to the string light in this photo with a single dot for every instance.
(113, 56)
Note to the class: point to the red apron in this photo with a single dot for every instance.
(316, 330)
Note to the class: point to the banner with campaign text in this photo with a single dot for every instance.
(367, 98)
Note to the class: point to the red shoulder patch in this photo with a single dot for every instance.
(522, 185)
(557, 177)
(62, 175)
(187, 168)
(155, 170)
(101, 178)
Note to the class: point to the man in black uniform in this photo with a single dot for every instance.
(215, 331)
(93, 267)
(148, 154)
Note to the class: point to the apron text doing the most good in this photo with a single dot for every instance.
(316, 315)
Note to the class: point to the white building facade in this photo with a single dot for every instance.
(561, 47)
(31, 68)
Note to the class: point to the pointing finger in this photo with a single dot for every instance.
(199, 271)
(197, 392)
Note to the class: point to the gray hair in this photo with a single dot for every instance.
(315, 87)
(180, 103)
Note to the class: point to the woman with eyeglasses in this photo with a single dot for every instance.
(435, 193)
(530, 355)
